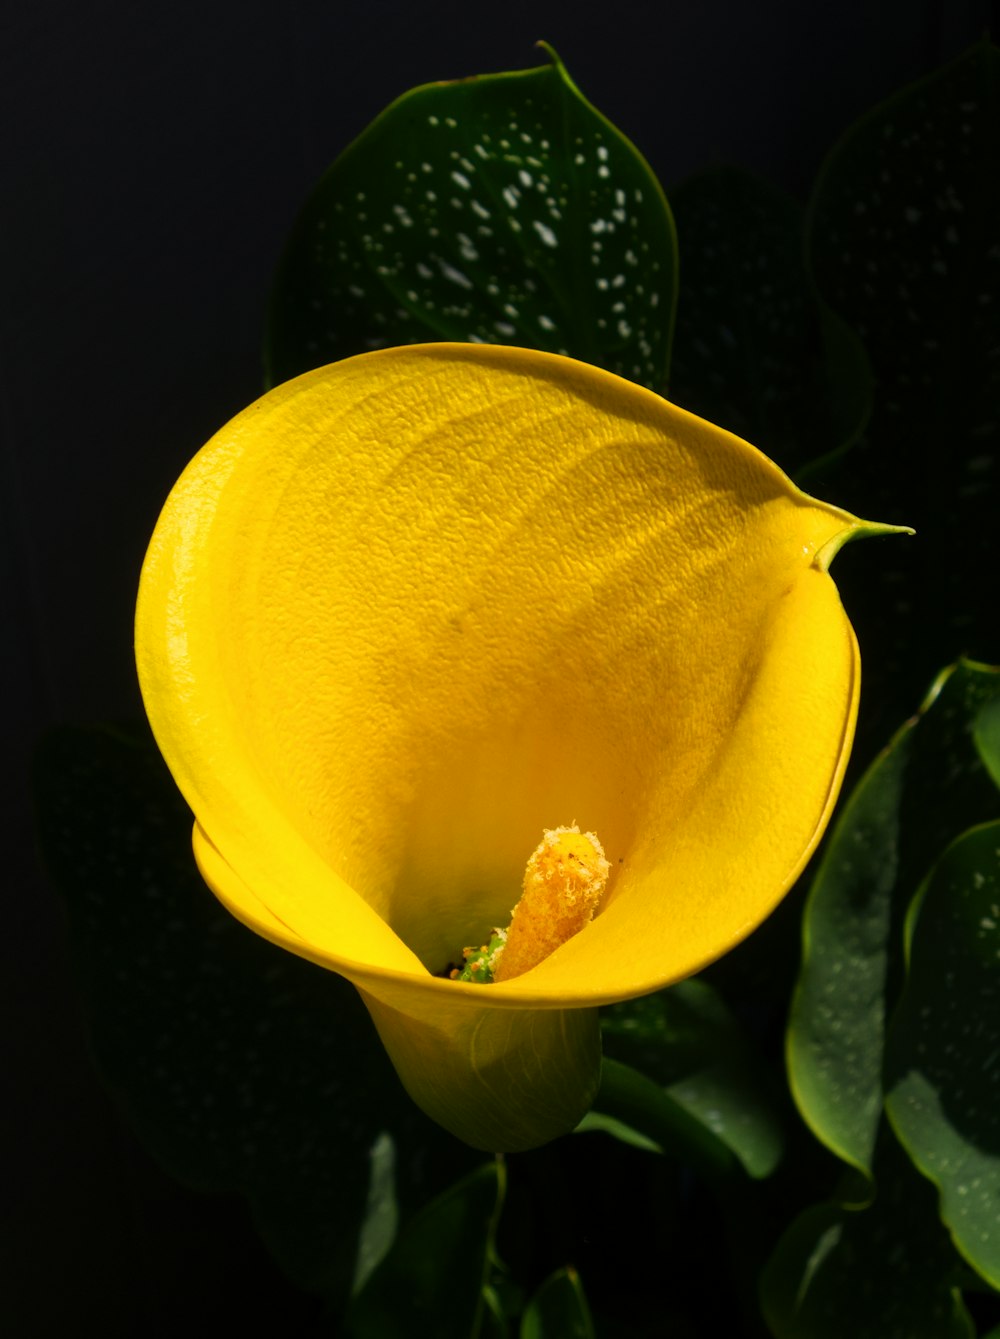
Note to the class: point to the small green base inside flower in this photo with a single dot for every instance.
(479, 962)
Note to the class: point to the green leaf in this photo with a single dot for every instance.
(381, 1220)
(837, 1023)
(686, 1040)
(239, 1065)
(943, 1055)
(558, 1310)
(432, 1281)
(987, 737)
(926, 787)
(755, 349)
(502, 209)
(903, 244)
(649, 1114)
(883, 1272)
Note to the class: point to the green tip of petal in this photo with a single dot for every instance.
(856, 530)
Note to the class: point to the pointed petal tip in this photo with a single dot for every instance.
(856, 530)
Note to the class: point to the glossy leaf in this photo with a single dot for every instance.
(903, 242)
(755, 349)
(688, 1042)
(558, 1310)
(502, 209)
(639, 1111)
(943, 1056)
(239, 1066)
(431, 1282)
(915, 797)
(837, 1024)
(886, 1271)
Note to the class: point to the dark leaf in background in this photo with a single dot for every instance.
(558, 1310)
(887, 1271)
(943, 1053)
(239, 1065)
(638, 1111)
(695, 1055)
(904, 241)
(755, 349)
(927, 786)
(502, 209)
(431, 1282)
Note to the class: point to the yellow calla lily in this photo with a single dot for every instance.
(409, 610)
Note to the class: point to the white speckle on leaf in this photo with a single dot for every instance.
(455, 276)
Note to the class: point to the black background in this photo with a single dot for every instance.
(154, 158)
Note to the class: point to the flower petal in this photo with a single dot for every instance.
(407, 611)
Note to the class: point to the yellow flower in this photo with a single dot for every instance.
(408, 611)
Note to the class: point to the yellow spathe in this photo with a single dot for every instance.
(408, 610)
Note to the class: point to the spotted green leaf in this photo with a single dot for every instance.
(502, 209)
(917, 795)
(943, 1056)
